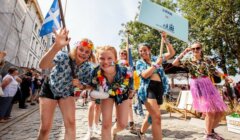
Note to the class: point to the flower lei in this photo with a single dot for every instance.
(116, 88)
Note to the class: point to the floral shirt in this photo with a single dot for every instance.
(61, 78)
(203, 67)
(141, 66)
(118, 89)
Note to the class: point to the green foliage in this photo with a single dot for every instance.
(216, 24)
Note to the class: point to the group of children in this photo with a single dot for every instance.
(109, 76)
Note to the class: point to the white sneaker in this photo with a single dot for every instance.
(96, 130)
(88, 135)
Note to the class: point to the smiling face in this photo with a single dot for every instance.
(196, 49)
(144, 52)
(82, 54)
(123, 55)
(107, 58)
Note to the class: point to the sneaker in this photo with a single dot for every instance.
(209, 137)
(217, 136)
(88, 135)
(96, 130)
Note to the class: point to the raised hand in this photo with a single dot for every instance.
(164, 37)
(61, 39)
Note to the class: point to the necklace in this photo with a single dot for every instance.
(116, 88)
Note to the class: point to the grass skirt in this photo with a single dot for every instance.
(206, 97)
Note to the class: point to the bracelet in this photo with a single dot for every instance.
(179, 57)
(156, 66)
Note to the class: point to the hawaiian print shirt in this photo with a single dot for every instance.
(116, 84)
(141, 65)
(61, 78)
(200, 68)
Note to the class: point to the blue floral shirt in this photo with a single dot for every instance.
(61, 78)
(141, 66)
(116, 84)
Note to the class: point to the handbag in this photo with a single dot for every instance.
(99, 94)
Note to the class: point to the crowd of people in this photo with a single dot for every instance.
(18, 88)
(111, 84)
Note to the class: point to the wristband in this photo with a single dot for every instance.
(156, 66)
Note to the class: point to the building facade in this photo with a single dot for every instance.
(20, 22)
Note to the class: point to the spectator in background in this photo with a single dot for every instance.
(9, 86)
(37, 85)
(25, 89)
(237, 91)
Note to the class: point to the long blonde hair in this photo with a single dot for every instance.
(73, 51)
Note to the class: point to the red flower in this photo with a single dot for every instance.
(84, 43)
(118, 91)
(100, 79)
(127, 76)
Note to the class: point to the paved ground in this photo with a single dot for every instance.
(25, 127)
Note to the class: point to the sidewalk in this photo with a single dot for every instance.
(18, 114)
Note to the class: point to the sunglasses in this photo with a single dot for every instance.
(197, 48)
(122, 53)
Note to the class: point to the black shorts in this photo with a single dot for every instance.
(46, 91)
(155, 91)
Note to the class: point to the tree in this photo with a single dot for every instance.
(216, 24)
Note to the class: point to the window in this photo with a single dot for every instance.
(33, 41)
(36, 27)
(36, 47)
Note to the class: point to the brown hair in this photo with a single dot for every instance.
(11, 70)
(106, 48)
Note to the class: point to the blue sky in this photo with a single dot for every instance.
(98, 20)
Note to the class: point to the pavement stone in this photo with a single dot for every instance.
(174, 128)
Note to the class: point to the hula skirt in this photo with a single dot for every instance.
(206, 97)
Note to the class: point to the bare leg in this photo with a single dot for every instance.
(218, 117)
(67, 107)
(91, 113)
(130, 112)
(209, 120)
(122, 118)
(107, 110)
(97, 114)
(47, 108)
(145, 124)
(154, 111)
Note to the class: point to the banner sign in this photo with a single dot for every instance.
(161, 18)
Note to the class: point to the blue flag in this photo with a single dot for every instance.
(130, 58)
(52, 20)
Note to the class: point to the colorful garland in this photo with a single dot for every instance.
(85, 43)
(117, 89)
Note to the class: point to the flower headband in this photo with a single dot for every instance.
(85, 43)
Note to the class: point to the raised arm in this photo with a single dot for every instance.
(61, 40)
(170, 50)
(176, 62)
